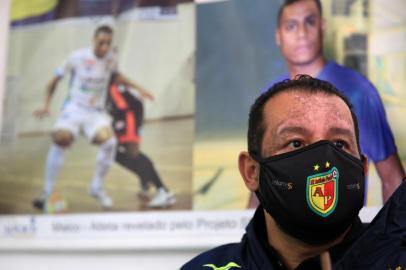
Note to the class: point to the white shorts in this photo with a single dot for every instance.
(80, 119)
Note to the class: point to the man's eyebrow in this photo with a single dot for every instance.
(342, 131)
(291, 129)
(289, 20)
(311, 15)
(296, 19)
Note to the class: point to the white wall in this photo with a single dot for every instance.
(107, 260)
(4, 30)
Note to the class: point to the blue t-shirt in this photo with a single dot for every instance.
(376, 138)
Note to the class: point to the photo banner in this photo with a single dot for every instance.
(205, 63)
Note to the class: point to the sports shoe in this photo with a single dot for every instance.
(162, 199)
(40, 202)
(104, 199)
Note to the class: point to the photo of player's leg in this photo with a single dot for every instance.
(128, 117)
(96, 126)
(131, 158)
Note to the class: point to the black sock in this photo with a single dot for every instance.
(142, 166)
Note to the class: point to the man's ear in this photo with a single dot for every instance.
(277, 37)
(365, 163)
(249, 170)
(323, 25)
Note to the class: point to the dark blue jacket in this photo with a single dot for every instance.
(382, 245)
(247, 254)
(254, 252)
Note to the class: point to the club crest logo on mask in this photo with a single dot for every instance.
(322, 190)
(323, 177)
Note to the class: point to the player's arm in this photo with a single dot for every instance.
(381, 146)
(121, 79)
(50, 89)
(391, 172)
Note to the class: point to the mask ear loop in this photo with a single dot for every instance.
(365, 164)
(255, 156)
(325, 261)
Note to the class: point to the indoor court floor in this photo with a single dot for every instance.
(168, 143)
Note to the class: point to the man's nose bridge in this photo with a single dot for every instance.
(105, 47)
(302, 29)
(319, 135)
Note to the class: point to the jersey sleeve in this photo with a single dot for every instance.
(377, 140)
(66, 66)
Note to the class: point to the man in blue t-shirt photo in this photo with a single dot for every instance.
(299, 35)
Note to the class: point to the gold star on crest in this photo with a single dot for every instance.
(327, 164)
(316, 167)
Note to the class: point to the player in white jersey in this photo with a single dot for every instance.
(91, 70)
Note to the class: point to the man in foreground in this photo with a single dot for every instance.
(304, 164)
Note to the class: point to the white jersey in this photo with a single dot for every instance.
(90, 76)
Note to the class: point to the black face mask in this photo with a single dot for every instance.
(314, 193)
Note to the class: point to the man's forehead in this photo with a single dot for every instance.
(296, 107)
(103, 35)
(307, 115)
(300, 9)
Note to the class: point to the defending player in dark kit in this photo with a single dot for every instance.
(128, 117)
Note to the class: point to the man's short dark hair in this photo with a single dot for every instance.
(290, 2)
(302, 83)
(103, 29)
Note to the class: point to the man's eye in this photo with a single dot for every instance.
(311, 21)
(290, 26)
(296, 144)
(101, 43)
(340, 144)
